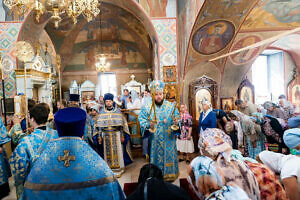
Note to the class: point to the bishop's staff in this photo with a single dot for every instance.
(3, 89)
(58, 64)
(24, 52)
(153, 130)
(175, 127)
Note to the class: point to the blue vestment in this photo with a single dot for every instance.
(25, 154)
(163, 150)
(4, 166)
(69, 169)
(111, 126)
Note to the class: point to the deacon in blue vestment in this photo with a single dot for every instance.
(69, 168)
(113, 134)
(163, 150)
(4, 165)
(31, 146)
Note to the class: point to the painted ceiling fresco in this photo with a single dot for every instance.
(159, 8)
(273, 14)
(122, 38)
(215, 28)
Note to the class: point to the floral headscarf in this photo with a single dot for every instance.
(214, 142)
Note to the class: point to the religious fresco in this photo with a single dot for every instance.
(213, 37)
(296, 97)
(119, 55)
(159, 8)
(186, 14)
(9, 15)
(231, 13)
(201, 95)
(247, 55)
(273, 14)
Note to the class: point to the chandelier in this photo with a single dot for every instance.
(72, 8)
(101, 64)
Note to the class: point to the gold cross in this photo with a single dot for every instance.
(66, 158)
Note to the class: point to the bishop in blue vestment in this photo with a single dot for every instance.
(4, 165)
(69, 168)
(163, 150)
(31, 146)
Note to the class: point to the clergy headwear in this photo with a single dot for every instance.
(157, 85)
(74, 97)
(291, 137)
(294, 122)
(70, 122)
(108, 96)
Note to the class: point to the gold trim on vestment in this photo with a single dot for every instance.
(67, 138)
(69, 186)
(171, 177)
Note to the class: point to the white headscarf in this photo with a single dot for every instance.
(272, 160)
(209, 109)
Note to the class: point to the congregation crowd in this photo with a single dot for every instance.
(81, 150)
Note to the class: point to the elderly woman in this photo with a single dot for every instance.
(216, 145)
(253, 136)
(207, 181)
(207, 118)
(273, 110)
(185, 144)
(134, 104)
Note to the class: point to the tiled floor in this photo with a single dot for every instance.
(131, 175)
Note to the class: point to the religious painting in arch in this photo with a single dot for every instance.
(201, 95)
(7, 14)
(227, 104)
(169, 73)
(245, 91)
(213, 37)
(294, 92)
(246, 56)
(170, 92)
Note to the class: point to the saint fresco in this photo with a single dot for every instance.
(213, 37)
(247, 55)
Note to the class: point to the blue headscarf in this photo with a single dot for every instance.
(294, 122)
(291, 137)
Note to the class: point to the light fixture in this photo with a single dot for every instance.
(88, 8)
(101, 64)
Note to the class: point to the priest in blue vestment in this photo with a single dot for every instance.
(4, 165)
(113, 134)
(31, 146)
(69, 168)
(163, 150)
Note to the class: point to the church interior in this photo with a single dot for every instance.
(216, 51)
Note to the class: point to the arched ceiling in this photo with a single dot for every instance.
(223, 26)
(136, 31)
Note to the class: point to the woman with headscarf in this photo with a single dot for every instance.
(185, 144)
(253, 137)
(289, 169)
(207, 181)
(215, 144)
(273, 132)
(273, 110)
(291, 138)
(134, 104)
(207, 118)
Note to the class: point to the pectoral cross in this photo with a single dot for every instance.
(66, 158)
